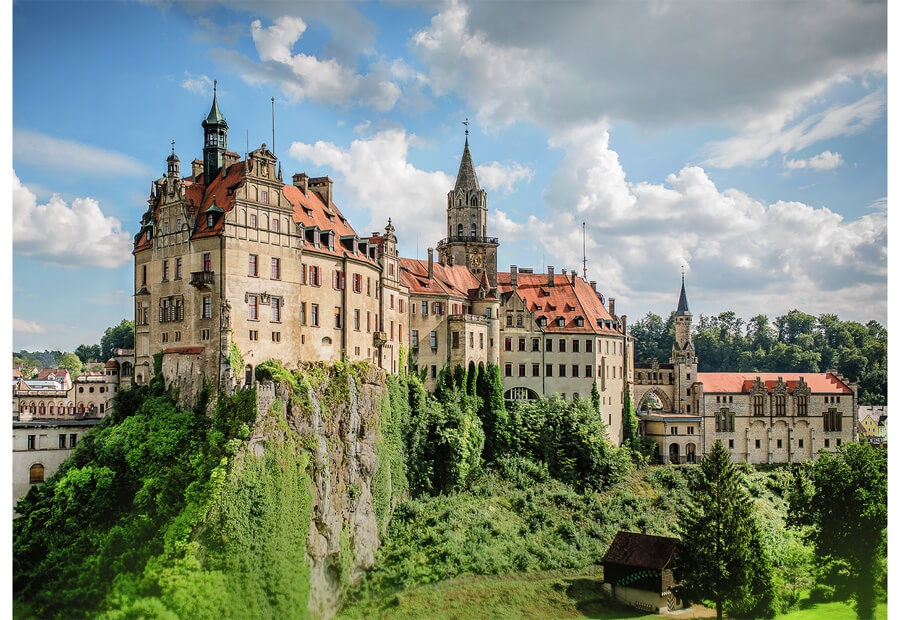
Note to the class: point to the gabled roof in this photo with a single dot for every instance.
(641, 550)
(742, 382)
(448, 281)
(569, 297)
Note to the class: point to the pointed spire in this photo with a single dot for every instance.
(466, 178)
(682, 300)
(215, 116)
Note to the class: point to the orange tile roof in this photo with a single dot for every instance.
(569, 297)
(448, 281)
(735, 382)
(309, 210)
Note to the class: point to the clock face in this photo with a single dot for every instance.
(475, 260)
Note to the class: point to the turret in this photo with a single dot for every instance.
(215, 141)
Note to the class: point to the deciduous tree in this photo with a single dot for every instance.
(842, 498)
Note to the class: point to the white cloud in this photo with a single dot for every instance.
(734, 247)
(307, 77)
(655, 64)
(36, 148)
(26, 327)
(197, 84)
(379, 178)
(502, 177)
(73, 236)
(758, 144)
(826, 160)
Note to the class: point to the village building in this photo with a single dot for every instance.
(762, 418)
(637, 570)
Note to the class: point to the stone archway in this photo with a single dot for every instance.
(654, 399)
(690, 453)
(674, 453)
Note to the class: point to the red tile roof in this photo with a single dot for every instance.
(448, 281)
(569, 297)
(734, 382)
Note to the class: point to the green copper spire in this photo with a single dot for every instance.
(215, 116)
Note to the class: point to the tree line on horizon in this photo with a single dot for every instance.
(793, 342)
(119, 336)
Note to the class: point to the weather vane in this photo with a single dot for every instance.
(466, 123)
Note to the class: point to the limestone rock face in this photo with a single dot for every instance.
(338, 423)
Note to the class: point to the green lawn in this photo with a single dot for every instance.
(538, 596)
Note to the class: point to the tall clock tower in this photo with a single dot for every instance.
(467, 242)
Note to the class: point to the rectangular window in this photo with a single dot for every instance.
(827, 443)
(177, 268)
(454, 338)
(588, 369)
(206, 311)
(62, 440)
(356, 321)
(302, 313)
(575, 346)
(73, 439)
(314, 315)
(562, 345)
(521, 344)
(276, 268)
(574, 370)
(778, 444)
(432, 339)
(690, 430)
(508, 370)
(757, 444)
(588, 346)
(275, 303)
(165, 337)
(276, 336)
(535, 344)
(799, 443)
(252, 220)
(521, 370)
(414, 336)
(424, 308)
(253, 265)
(433, 371)
(207, 261)
(368, 321)
(507, 344)
(254, 335)
(275, 224)
(801, 406)
(481, 341)
(31, 442)
(204, 334)
(252, 308)
(549, 346)
(264, 196)
(177, 336)
(357, 283)
(673, 430)
(731, 443)
(548, 370)
(535, 370)
(165, 270)
(337, 317)
(315, 274)
(338, 279)
(391, 301)
(562, 370)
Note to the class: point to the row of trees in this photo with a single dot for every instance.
(466, 424)
(839, 503)
(119, 336)
(794, 342)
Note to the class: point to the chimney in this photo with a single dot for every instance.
(574, 275)
(301, 180)
(431, 263)
(594, 285)
(612, 307)
(514, 276)
(196, 168)
(322, 186)
(624, 319)
(550, 276)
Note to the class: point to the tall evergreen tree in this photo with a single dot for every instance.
(494, 418)
(721, 556)
(844, 500)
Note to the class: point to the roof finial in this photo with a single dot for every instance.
(173, 147)
(214, 87)
(466, 123)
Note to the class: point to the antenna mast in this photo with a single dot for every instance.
(273, 125)
(583, 252)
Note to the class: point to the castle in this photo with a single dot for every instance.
(234, 267)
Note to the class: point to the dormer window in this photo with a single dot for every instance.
(560, 321)
(210, 220)
(579, 321)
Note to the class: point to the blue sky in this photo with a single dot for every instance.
(743, 142)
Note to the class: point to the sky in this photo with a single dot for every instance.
(742, 144)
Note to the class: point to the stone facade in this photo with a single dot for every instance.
(761, 418)
(233, 267)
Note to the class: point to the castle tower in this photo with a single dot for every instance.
(215, 141)
(467, 242)
(684, 357)
(173, 164)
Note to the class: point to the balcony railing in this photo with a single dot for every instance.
(469, 239)
(203, 279)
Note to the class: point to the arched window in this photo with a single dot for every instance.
(459, 230)
(42, 410)
(36, 474)
(474, 201)
(81, 408)
(248, 374)
(474, 229)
